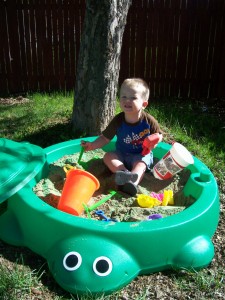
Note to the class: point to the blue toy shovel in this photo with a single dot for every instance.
(101, 214)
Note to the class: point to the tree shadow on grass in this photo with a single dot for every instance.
(52, 135)
(201, 120)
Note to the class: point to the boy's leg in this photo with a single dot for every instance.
(123, 177)
(127, 180)
(139, 168)
(113, 162)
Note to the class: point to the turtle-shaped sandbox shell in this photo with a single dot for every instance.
(91, 256)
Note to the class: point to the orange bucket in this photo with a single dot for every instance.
(78, 189)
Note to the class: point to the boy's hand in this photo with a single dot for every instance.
(151, 142)
(160, 138)
(86, 145)
(96, 144)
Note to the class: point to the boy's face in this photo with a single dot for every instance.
(131, 99)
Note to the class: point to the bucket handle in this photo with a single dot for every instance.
(68, 167)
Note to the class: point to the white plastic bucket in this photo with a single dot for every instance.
(175, 160)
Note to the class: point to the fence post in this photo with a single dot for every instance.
(221, 79)
(12, 47)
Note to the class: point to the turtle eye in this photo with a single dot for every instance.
(72, 261)
(102, 266)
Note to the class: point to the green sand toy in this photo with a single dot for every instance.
(90, 256)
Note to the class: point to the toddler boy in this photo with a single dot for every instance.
(131, 126)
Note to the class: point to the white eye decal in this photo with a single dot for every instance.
(72, 261)
(102, 266)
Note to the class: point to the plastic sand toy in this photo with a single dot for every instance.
(147, 201)
(154, 199)
(174, 161)
(80, 185)
(96, 257)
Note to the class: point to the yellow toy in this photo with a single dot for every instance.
(147, 201)
(167, 198)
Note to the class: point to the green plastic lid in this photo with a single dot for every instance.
(19, 163)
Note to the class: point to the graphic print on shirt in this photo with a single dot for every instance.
(130, 138)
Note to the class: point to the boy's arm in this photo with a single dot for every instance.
(106, 135)
(98, 143)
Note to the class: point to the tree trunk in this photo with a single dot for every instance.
(99, 65)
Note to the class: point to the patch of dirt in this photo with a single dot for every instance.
(120, 207)
(14, 101)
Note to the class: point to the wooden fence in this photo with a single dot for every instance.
(177, 46)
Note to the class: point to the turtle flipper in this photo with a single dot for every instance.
(196, 254)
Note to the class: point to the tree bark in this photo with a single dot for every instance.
(99, 65)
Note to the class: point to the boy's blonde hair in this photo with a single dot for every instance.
(132, 82)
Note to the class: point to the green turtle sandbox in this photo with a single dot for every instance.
(91, 256)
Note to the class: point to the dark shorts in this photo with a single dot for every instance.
(129, 159)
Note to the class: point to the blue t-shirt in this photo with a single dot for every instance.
(130, 137)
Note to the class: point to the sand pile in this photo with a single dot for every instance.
(121, 206)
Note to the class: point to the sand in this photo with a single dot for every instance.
(120, 207)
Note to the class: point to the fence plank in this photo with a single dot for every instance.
(32, 31)
(140, 41)
(221, 45)
(173, 40)
(73, 29)
(24, 37)
(12, 54)
(204, 30)
(68, 58)
(40, 42)
(154, 44)
(5, 63)
(22, 41)
(216, 42)
(79, 9)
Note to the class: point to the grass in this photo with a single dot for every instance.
(18, 281)
(205, 281)
(202, 133)
(45, 120)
